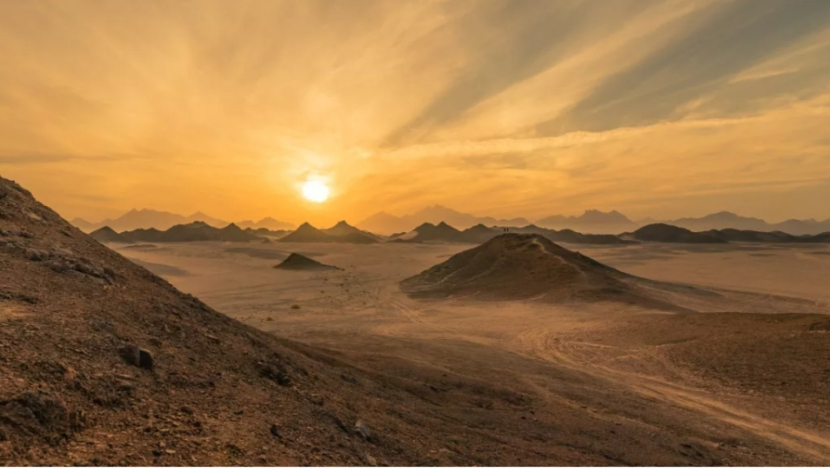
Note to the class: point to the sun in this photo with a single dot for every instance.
(315, 191)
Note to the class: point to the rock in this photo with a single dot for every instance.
(137, 356)
(146, 359)
(371, 460)
(131, 354)
(275, 431)
(35, 255)
(58, 266)
(187, 410)
(39, 413)
(275, 374)
(363, 430)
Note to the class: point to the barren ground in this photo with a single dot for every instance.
(744, 380)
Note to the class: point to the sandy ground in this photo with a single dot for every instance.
(748, 372)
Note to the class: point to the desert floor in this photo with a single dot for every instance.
(747, 372)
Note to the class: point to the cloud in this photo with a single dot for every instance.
(513, 107)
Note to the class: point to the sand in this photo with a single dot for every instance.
(745, 381)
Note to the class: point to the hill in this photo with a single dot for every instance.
(738, 235)
(340, 233)
(428, 232)
(300, 262)
(191, 232)
(663, 233)
(526, 266)
(349, 233)
(108, 235)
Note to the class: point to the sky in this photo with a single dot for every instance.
(503, 108)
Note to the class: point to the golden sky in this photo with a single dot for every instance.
(494, 107)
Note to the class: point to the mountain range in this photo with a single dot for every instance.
(162, 220)
(189, 232)
(384, 223)
(442, 232)
(590, 222)
(342, 232)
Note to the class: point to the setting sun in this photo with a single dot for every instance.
(315, 191)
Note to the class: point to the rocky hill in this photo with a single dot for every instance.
(523, 267)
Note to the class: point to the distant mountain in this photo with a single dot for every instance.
(663, 233)
(84, 225)
(267, 223)
(162, 220)
(428, 232)
(345, 230)
(199, 216)
(729, 220)
(340, 233)
(146, 218)
(591, 221)
(107, 235)
(197, 231)
(384, 223)
(480, 233)
(749, 236)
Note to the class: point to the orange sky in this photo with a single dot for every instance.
(494, 107)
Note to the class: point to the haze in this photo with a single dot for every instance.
(506, 108)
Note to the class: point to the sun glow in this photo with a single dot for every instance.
(315, 191)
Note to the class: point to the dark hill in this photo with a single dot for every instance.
(428, 232)
(300, 262)
(340, 233)
(738, 235)
(480, 233)
(190, 232)
(348, 233)
(307, 233)
(108, 235)
(525, 266)
(572, 237)
(663, 233)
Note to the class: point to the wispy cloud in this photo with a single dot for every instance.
(515, 107)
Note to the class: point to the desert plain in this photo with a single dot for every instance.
(739, 376)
